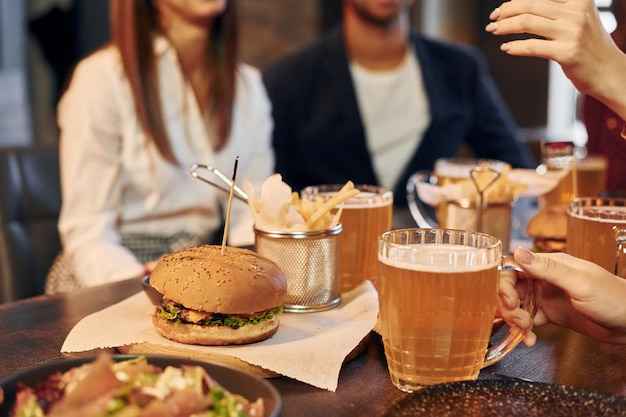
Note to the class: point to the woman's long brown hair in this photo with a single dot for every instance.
(133, 24)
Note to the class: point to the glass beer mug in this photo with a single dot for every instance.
(596, 231)
(437, 292)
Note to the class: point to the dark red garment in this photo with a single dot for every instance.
(604, 128)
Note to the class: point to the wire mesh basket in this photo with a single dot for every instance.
(309, 261)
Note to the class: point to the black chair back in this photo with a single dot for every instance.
(30, 202)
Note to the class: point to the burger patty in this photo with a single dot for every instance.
(549, 245)
(177, 312)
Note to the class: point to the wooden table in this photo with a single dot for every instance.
(33, 330)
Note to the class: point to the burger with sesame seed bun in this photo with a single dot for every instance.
(548, 228)
(215, 298)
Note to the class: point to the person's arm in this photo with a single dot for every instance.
(90, 149)
(573, 293)
(571, 34)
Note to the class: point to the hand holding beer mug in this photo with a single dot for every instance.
(437, 294)
(596, 231)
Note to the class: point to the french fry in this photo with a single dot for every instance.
(292, 212)
(335, 218)
(295, 199)
(306, 208)
(502, 190)
(347, 186)
(345, 193)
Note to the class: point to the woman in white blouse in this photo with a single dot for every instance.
(167, 92)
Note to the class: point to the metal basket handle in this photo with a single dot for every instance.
(225, 181)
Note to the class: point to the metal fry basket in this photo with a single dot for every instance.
(309, 261)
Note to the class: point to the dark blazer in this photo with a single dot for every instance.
(319, 136)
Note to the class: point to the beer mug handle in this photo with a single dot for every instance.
(620, 255)
(515, 335)
(417, 207)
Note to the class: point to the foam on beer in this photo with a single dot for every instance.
(607, 214)
(362, 200)
(437, 257)
(460, 168)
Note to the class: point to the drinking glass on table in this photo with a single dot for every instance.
(437, 302)
(596, 231)
(364, 217)
(582, 176)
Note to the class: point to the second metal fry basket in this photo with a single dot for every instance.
(309, 261)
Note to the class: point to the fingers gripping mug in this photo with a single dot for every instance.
(437, 294)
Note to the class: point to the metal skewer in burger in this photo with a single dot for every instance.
(218, 295)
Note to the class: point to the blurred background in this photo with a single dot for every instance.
(41, 40)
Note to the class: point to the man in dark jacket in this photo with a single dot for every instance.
(374, 101)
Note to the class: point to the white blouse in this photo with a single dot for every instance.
(114, 182)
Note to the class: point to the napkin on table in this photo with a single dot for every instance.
(309, 347)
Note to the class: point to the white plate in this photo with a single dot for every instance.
(538, 184)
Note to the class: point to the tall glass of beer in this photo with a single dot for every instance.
(595, 231)
(582, 177)
(364, 217)
(437, 297)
